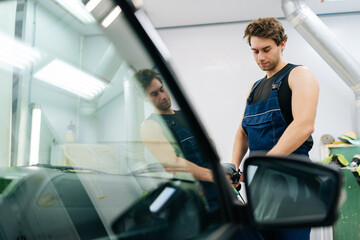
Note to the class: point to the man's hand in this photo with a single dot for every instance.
(155, 140)
(183, 165)
(233, 175)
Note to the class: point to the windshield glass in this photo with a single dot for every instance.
(95, 140)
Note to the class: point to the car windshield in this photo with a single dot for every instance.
(89, 149)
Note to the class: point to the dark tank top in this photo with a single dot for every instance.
(262, 92)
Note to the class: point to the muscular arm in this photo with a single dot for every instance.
(305, 94)
(241, 143)
(154, 139)
(241, 146)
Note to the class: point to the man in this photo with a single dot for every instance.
(281, 108)
(168, 137)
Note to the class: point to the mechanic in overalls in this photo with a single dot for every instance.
(280, 110)
(168, 136)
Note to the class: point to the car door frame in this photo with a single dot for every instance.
(230, 210)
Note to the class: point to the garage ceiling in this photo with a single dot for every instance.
(176, 13)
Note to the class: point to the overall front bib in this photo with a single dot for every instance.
(264, 122)
(192, 152)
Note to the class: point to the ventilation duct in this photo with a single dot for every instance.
(316, 33)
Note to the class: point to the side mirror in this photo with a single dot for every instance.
(286, 192)
(164, 213)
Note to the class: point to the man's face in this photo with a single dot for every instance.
(158, 95)
(266, 53)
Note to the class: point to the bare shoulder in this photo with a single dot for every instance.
(249, 91)
(301, 70)
(302, 75)
(148, 123)
(150, 128)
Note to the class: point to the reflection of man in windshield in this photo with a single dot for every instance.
(168, 137)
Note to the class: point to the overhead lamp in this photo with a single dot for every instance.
(91, 5)
(138, 3)
(161, 200)
(71, 79)
(111, 17)
(16, 54)
(35, 134)
(76, 9)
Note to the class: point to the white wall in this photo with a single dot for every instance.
(8, 11)
(56, 40)
(217, 69)
(107, 122)
(109, 127)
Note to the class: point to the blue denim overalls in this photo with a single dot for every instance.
(264, 124)
(191, 151)
(263, 121)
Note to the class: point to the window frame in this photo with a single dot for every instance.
(226, 199)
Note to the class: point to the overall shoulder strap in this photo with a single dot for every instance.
(161, 120)
(276, 85)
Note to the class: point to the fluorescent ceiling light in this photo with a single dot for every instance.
(69, 78)
(35, 135)
(91, 5)
(111, 17)
(161, 199)
(138, 3)
(16, 54)
(77, 9)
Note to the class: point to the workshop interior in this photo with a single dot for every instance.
(72, 114)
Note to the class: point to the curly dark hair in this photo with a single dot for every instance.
(266, 28)
(145, 76)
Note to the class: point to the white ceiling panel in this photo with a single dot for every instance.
(174, 13)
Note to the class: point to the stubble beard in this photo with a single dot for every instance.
(272, 66)
(164, 106)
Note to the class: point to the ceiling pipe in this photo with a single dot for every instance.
(317, 34)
